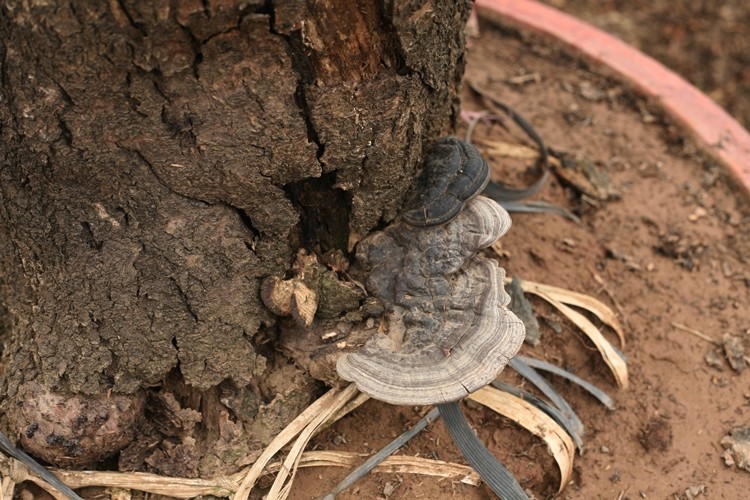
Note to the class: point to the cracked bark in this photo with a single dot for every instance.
(161, 158)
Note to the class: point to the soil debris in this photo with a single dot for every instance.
(389, 487)
(692, 492)
(656, 435)
(734, 350)
(584, 176)
(591, 92)
(737, 444)
(630, 262)
(176, 459)
(713, 360)
(686, 250)
(524, 79)
(314, 291)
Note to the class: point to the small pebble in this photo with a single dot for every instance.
(699, 213)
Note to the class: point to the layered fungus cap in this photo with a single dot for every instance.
(453, 173)
(447, 329)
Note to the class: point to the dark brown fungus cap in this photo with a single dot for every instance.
(453, 173)
(448, 329)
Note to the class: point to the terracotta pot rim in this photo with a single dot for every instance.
(711, 126)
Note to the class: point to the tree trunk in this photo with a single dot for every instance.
(159, 159)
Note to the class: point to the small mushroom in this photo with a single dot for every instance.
(448, 330)
(454, 172)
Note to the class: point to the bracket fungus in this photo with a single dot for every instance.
(447, 330)
(454, 172)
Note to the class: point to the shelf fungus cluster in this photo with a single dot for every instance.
(433, 325)
(446, 329)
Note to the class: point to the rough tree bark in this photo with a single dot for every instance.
(159, 159)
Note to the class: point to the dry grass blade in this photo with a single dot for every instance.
(572, 424)
(347, 409)
(176, 487)
(508, 150)
(561, 299)
(397, 464)
(224, 487)
(613, 359)
(7, 487)
(595, 307)
(14, 471)
(535, 421)
(429, 467)
(548, 408)
(289, 468)
(294, 428)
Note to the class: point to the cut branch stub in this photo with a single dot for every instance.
(448, 330)
(454, 172)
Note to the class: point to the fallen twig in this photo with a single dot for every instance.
(702, 336)
(695, 332)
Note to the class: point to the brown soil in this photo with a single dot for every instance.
(672, 249)
(707, 42)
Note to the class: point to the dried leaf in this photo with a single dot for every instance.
(277, 295)
(613, 359)
(508, 150)
(571, 298)
(289, 468)
(304, 303)
(548, 408)
(535, 421)
(307, 417)
(7, 487)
